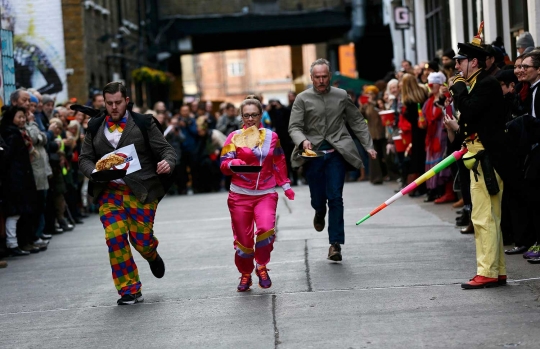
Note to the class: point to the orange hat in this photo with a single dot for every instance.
(371, 89)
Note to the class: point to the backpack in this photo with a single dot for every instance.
(144, 123)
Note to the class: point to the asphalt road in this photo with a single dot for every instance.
(397, 287)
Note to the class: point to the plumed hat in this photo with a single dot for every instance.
(473, 49)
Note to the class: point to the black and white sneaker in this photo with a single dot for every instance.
(130, 299)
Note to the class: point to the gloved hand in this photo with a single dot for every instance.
(289, 193)
(236, 162)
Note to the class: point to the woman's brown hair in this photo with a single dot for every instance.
(411, 91)
(251, 100)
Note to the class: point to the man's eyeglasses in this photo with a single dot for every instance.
(251, 116)
(524, 66)
(459, 60)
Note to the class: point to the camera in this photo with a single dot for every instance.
(440, 102)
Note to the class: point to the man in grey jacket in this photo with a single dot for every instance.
(317, 122)
(127, 206)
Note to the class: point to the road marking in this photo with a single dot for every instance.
(200, 220)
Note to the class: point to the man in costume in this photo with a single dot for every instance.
(253, 198)
(127, 206)
(318, 122)
(479, 100)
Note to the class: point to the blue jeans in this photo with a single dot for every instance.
(326, 177)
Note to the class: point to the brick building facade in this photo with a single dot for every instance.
(103, 41)
(231, 75)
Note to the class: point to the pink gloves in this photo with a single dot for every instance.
(236, 162)
(289, 193)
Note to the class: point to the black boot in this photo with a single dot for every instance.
(464, 219)
(65, 225)
(432, 195)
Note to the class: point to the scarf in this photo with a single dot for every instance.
(112, 125)
(433, 115)
(27, 140)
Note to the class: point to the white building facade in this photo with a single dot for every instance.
(437, 25)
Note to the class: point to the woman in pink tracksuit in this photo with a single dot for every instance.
(253, 197)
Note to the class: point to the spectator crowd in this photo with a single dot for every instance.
(414, 124)
(42, 191)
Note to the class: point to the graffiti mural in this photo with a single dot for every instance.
(1, 72)
(7, 72)
(38, 44)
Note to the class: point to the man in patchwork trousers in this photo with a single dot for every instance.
(127, 206)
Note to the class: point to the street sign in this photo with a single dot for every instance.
(401, 17)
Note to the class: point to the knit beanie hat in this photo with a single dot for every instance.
(371, 89)
(46, 99)
(33, 99)
(436, 78)
(525, 40)
(449, 53)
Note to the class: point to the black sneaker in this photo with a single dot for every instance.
(30, 248)
(318, 221)
(334, 253)
(15, 252)
(157, 267)
(130, 299)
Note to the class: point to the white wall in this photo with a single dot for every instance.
(420, 28)
(401, 49)
(490, 22)
(507, 36)
(533, 7)
(456, 23)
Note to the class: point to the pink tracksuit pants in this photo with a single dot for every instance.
(247, 210)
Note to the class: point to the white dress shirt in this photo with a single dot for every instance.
(114, 139)
(533, 98)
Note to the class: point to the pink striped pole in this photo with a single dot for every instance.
(450, 159)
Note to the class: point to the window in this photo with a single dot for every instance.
(236, 68)
(437, 26)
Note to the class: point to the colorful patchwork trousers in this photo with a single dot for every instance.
(247, 211)
(124, 217)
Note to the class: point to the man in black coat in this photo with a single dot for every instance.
(478, 98)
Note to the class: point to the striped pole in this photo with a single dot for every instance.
(455, 156)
